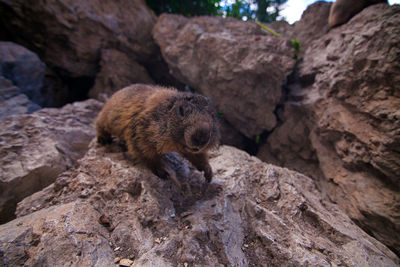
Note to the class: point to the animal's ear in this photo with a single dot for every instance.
(182, 108)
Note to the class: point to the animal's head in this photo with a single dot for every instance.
(193, 123)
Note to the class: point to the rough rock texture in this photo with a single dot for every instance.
(35, 148)
(118, 70)
(292, 137)
(12, 101)
(23, 68)
(313, 23)
(252, 214)
(348, 89)
(343, 10)
(238, 66)
(69, 34)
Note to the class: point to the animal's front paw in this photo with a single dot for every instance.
(208, 172)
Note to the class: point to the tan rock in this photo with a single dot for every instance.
(118, 70)
(241, 68)
(344, 105)
(36, 148)
(251, 213)
(125, 262)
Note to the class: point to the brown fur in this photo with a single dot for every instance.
(153, 121)
(343, 10)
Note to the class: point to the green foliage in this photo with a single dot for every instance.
(239, 10)
(296, 45)
(257, 139)
(263, 10)
(268, 10)
(220, 114)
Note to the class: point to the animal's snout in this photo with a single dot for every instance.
(200, 137)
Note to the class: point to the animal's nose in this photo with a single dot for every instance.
(200, 137)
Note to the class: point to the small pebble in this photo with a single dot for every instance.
(116, 249)
(117, 259)
(125, 262)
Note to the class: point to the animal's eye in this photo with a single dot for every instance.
(181, 111)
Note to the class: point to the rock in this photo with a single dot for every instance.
(343, 10)
(12, 102)
(347, 97)
(289, 144)
(36, 148)
(251, 213)
(313, 24)
(23, 68)
(230, 136)
(118, 70)
(125, 262)
(233, 62)
(57, 236)
(69, 34)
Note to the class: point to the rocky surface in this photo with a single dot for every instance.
(36, 148)
(313, 24)
(108, 210)
(23, 69)
(12, 101)
(343, 11)
(118, 70)
(237, 65)
(69, 34)
(343, 104)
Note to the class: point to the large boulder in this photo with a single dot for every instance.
(118, 70)
(252, 214)
(241, 68)
(69, 34)
(36, 148)
(347, 97)
(24, 69)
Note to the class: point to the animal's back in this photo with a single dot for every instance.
(128, 104)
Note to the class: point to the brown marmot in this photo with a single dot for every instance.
(343, 10)
(153, 121)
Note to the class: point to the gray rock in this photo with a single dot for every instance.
(24, 69)
(35, 148)
(251, 214)
(12, 102)
(233, 62)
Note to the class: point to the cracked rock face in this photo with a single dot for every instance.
(241, 68)
(344, 107)
(36, 148)
(252, 214)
